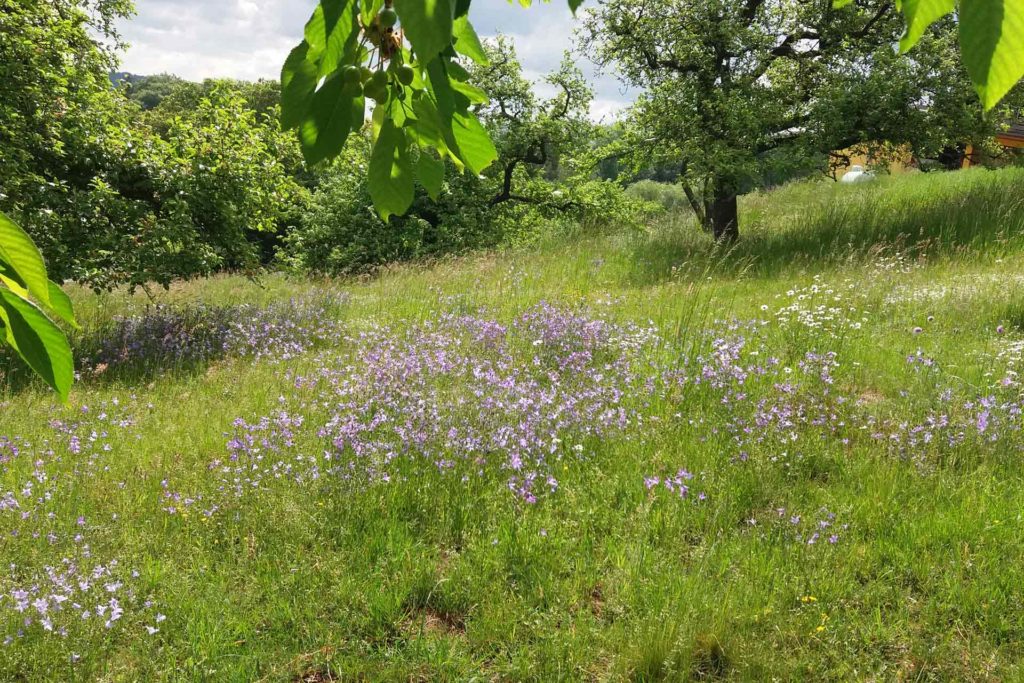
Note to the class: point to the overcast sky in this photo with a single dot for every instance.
(249, 39)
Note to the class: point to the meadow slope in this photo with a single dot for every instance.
(614, 456)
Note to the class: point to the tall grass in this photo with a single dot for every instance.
(978, 211)
(817, 224)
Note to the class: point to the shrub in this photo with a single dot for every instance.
(341, 233)
(667, 195)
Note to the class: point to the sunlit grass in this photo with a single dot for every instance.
(449, 575)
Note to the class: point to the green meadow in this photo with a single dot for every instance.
(620, 454)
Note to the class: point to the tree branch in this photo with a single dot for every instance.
(694, 204)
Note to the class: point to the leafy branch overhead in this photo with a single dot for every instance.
(404, 57)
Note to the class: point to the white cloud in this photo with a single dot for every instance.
(249, 39)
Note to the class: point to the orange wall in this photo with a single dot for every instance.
(1007, 141)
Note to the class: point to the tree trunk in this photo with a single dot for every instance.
(723, 214)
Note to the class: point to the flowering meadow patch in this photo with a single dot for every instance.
(821, 306)
(461, 395)
(63, 578)
(701, 437)
(166, 336)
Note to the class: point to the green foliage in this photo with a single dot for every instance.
(421, 91)
(113, 195)
(992, 44)
(919, 15)
(151, 91)
(26, 295)
(426, 89)
(991, 39)
(341, 233)
(149, 209)
(667, 195)
(541, 182)
(165, 97)
(391, 172)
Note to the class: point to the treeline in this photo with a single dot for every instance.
(133, 180)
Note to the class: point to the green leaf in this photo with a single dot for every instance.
(431, 174)
(298, 82)
(24, 263)
(445, 104)
(332, 115)
(60, 304)
(390, 173)
(38, 341)
(919, 15)
(340, 34)
(370, 9)
(456, 72)
(322, 23)
(992, 46)
(575, 5)
(467, 42)
(426, 129)
(472, 93)
(427, 25)
(441, 87)
(839, 4)
(475, 146)
(461, 8)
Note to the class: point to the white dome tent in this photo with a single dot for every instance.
(857, 174)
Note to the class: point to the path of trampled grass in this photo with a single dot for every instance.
(623, 457)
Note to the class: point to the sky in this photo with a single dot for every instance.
(249, 39)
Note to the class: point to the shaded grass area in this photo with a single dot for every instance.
(445, 574)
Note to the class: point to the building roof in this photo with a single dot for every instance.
(1014, 132)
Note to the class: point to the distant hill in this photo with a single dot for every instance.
(119, 78)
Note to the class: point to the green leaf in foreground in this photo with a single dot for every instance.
(427, 25)
(992, 46)
(919, 15)
(24, 263)
(298, 81)
(332, 114)
(475, 146)
(430, 171)
(38, 341)
(60, 304)
(390, 172)
(467, 42)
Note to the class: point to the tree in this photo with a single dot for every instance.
(108, 199)
(164, 97)
(148, 91)
(53, 87)
(530, 135)
(734, 90)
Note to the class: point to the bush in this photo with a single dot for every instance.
(669, 196)
(341, 233)
(604, 201)
(133, 208)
